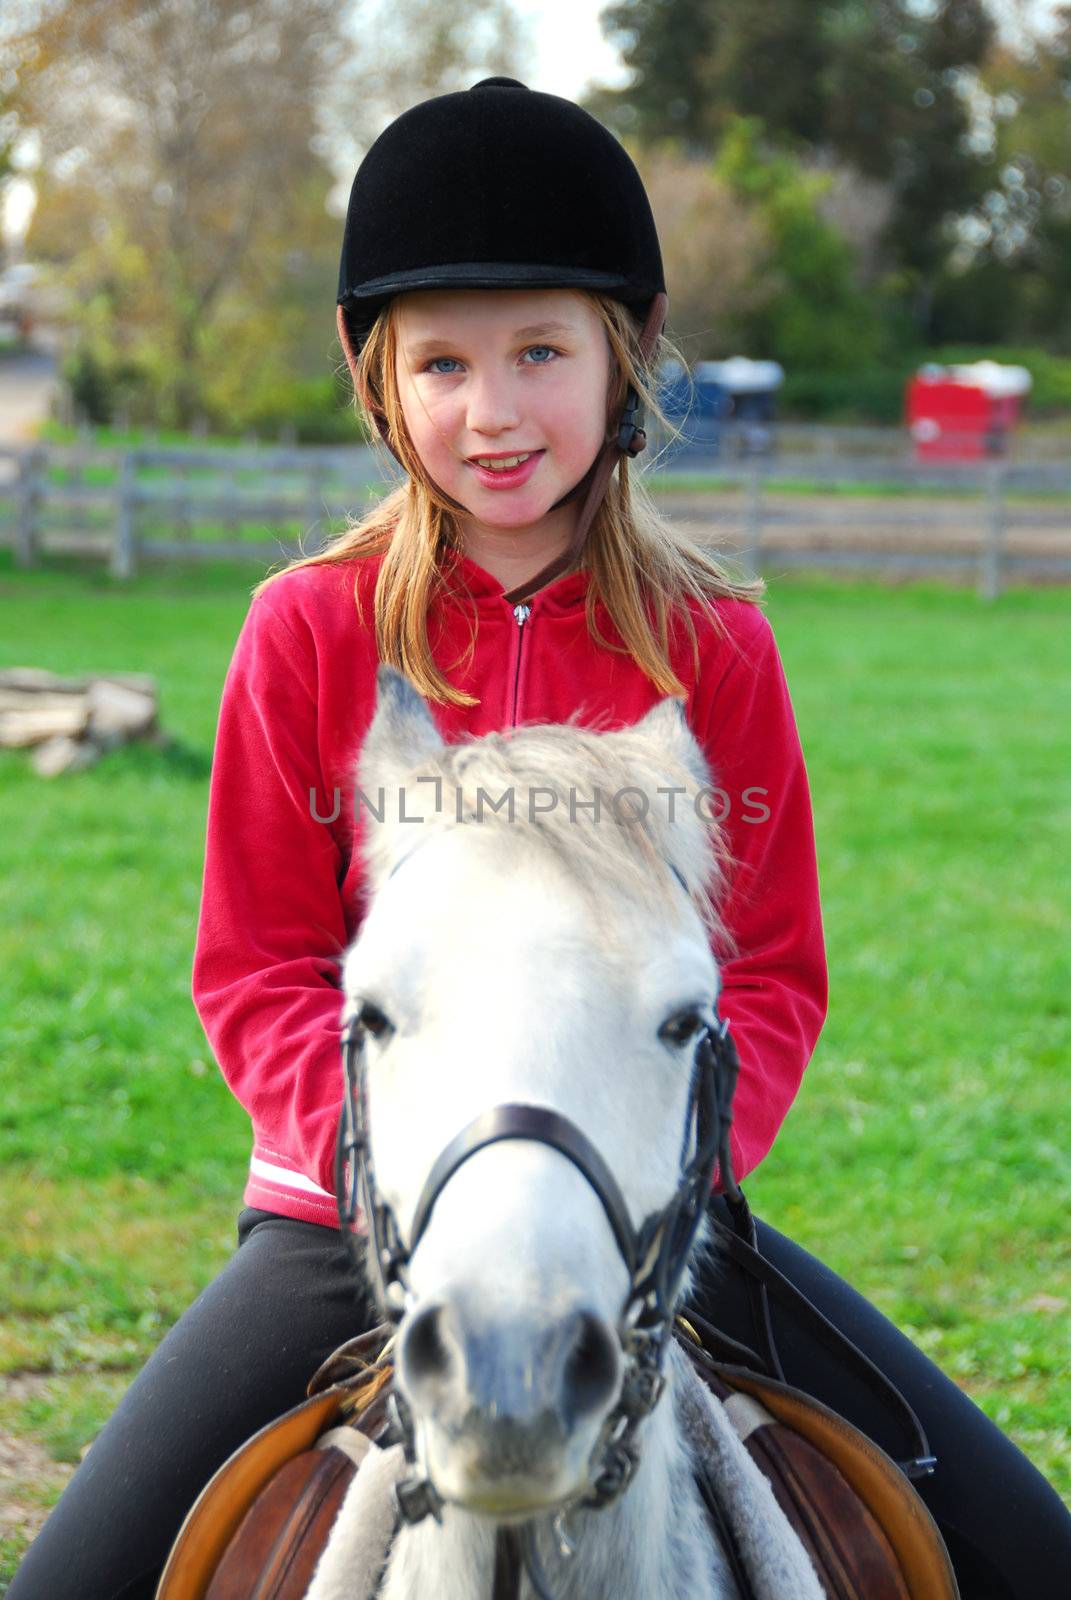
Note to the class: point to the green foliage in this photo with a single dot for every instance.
(104, 384)
(818, 317)
(875, 394)
(875, 85)
(1023, 300)
(318, 410)
(109, 388)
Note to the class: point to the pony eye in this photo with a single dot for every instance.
(679, 1028)
(373, 1020)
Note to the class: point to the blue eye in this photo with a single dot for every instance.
(433, 365)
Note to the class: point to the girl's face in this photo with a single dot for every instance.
(503, 373)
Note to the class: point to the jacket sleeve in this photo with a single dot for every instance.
(775, 991)
(272, 923)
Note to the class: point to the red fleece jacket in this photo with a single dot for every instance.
(283, 887)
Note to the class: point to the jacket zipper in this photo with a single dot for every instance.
(522, 613)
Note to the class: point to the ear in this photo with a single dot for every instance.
(402, 733)
(667, 726)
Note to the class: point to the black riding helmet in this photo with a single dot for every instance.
(503, 187)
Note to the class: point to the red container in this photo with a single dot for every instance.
(964, 413)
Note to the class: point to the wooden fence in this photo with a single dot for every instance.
(155, 504)
(849, 498)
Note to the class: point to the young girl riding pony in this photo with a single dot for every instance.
(501, 306)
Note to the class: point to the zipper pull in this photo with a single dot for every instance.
(521, 613)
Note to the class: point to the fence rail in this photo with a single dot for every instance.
(787, 496)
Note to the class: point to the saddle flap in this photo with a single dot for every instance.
(283, 1533)
(888, 1519)
(222, 1505)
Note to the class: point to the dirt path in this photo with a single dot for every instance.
(915, 526)
(28, 1474)
(27, 382)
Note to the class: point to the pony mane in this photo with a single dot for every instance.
(630, 846)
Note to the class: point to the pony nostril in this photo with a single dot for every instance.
(591, 1366)
(426, 1355)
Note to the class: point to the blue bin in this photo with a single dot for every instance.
(751, 388)
(694, 407)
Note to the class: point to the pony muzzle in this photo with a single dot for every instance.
(507, 1414)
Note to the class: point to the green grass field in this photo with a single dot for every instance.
(926, 1158)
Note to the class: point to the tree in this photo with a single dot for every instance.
(716, 252)
(878, 85)
(1010, 277)
(819, 318)
(404, 51)
(665, 44)
(181, 141)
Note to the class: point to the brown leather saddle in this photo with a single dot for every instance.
(260, 1526)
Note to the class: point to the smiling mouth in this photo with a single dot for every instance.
(502, 463)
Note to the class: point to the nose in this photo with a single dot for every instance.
(492, 404)
(514, 1378)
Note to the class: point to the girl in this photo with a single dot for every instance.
(501, 300)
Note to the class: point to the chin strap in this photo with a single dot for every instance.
(630, 439)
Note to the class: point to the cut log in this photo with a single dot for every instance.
(21, 728)
(114, 708)
(35, 679)
(64, 755)
(41, 700)
(73, 720)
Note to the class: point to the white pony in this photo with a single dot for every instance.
(523, 947)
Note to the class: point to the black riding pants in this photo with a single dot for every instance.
(243, 1352)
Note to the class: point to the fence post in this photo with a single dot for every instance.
(231, 518)
(753, 517)
(30, 463)
(315, 509)
(989, 575)
(124, 553)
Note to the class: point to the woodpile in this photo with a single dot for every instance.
(71, 722)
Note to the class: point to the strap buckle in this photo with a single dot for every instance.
(631, 435)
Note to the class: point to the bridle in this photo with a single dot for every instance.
(656, 1254)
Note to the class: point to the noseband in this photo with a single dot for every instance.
(656, 1254)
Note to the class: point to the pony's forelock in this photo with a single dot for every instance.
(653, 818)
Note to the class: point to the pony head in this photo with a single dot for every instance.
(539, 933)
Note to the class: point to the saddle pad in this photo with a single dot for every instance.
(847, 1548)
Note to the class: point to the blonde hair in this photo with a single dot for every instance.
(637, 560)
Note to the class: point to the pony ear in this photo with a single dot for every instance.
(401, 735)
(667, 726)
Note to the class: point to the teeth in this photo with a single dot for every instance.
(503, 465)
